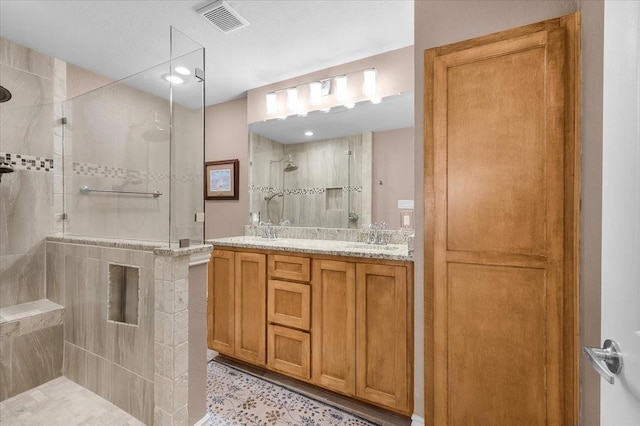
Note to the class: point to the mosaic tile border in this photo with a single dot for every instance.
(27, 162)
(113, 172)
(300, 191)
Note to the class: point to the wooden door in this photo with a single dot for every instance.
(382, 338)
(250, 318)
(500, 152)
(221, 306)
(333, 325)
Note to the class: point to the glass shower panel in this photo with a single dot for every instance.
(117, 146)
(187, 140)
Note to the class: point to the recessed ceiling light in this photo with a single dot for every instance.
(308, 133)
(172, 78)
(182, 70)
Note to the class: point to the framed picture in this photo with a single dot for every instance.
(221, 180)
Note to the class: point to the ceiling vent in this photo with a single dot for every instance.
(223, 16)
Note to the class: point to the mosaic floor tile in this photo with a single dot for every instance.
(238, 398)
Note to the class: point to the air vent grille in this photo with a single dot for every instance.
(223, 16)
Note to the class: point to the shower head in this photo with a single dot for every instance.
(290, 166)
(5, 95)
(5, 168)
(156, 131)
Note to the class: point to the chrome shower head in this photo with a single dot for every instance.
(5, 95)
(290, 166)
(5, 168)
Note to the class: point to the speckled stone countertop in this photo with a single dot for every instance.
(336, 248)
(158, 248)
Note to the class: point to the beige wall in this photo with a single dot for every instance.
(226, 136)
(437, 23)
(393, 165)
(81, 80)
(591, 202)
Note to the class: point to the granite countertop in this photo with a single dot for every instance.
(331, 247)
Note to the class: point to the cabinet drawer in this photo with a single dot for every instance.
(289, 267)
(289, 351)
(289, 304)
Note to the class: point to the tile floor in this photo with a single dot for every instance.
(247, 396)
(61, 402)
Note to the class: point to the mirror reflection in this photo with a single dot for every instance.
(328, 169)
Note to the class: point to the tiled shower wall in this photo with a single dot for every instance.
(333, 179)
(112, 359)
(31, 197)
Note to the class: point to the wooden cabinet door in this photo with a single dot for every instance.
(289, 351)
(333, 325)
(382, 338)
(496, 107)
(221, 306)
(250, 307)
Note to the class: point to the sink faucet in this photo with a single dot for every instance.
(381, 236)
(268, 231)
(372, 236)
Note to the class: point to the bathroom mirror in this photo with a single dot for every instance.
(328, 178)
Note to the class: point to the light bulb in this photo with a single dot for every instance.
(315, 93)
(369, 85)
(341, 88)
(272, 103)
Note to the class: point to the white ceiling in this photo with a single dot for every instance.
(285, 38)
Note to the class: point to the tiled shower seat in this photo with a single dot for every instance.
(28, 317)
(31, 339)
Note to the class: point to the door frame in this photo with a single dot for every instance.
(570, 24)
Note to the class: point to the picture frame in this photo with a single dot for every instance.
(221, 180)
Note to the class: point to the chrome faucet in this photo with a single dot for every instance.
(381, 236)
(376, 234)
(268, 231)
(372, 236)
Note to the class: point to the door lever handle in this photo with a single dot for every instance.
(606, 361)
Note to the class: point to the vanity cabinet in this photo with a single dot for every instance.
(237, 311)
(342, 323)
(361, 331)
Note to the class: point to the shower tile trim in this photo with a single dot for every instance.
(27, 162)
(258, 189)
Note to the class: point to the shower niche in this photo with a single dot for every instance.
(123, 294)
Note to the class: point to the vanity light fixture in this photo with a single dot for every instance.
(369, 84)
(182, 70)
(172, 78)
(272, 103)
(341, 88)
(315, 93)
(292, 98)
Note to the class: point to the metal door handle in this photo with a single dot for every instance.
(606, 361)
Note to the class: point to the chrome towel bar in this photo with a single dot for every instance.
(85, 190)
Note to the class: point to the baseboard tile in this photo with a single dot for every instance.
(205, 421)
(417, 420)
